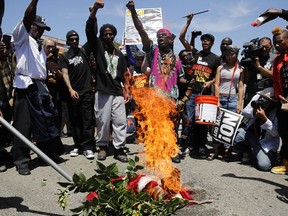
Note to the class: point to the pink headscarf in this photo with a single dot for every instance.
(166, 31)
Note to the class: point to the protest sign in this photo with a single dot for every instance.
(225, 128)
(151, 19)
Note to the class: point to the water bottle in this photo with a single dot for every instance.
(259, 21)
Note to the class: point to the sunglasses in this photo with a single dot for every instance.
(139, 59)
(72, 39)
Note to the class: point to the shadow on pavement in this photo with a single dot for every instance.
(15, 202)
(282, 190)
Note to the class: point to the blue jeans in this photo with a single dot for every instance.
(264, 161)
(229, 102)
(196, 134)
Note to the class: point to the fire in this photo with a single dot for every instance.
(155, 113)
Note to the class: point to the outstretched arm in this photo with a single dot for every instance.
(183, 32)
(138, 25)
(30, 14)
(2, 9)
(274, 13)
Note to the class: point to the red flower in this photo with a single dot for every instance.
(91, 196)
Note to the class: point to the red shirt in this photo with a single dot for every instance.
(277, 65)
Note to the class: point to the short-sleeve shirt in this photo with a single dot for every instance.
(76, 63)
(31, 63)
(204, 69)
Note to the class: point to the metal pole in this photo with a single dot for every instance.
(35, 149)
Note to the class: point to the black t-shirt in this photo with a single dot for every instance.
(78, 68)
(203, 70)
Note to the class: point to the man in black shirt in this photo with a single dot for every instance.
(77, 77)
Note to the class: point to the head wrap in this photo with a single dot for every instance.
(166, 31)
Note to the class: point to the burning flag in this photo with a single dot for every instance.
(156, 114)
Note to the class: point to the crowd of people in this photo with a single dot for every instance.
(87, 89)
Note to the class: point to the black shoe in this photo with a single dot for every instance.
(120, 155)
(102, 154)
(23, 169)
(202, 153)
(176, 159)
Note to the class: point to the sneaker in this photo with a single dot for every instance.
(202, 153)
(245, 158)
(176, 159)
(185, 151)
(89, 154)
(74, 152)
(120, 155)
(3, 168)
(281, 170)
(23, 169)
(102, 154)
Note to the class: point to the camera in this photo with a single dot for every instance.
(55, 52)
(251, 49)
(261, 103)
(196, 33)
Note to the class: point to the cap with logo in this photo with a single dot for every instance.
(71, 33)
(41, 22)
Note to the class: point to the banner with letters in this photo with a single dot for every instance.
(152, 21)
(226, 126)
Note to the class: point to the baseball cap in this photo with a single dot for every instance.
(209, 36)
(71, 33)
(268, 93)
(41, 22)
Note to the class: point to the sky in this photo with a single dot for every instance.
(226, 18)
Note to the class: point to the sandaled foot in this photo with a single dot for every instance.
(212, 156)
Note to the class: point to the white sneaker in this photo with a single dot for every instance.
(74, 152)
(89, 154)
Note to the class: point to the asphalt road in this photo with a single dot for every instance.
(235, 189)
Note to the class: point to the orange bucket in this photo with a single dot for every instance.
(206, 109)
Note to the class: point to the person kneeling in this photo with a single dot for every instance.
(261, 132)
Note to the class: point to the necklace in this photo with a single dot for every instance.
(166, 63)
(111, 56)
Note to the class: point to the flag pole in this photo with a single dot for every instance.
(35, 149)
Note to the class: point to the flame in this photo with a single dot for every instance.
(155, 113)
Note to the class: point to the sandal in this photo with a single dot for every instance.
(212, 156)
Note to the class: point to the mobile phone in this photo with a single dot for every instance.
(7, 40)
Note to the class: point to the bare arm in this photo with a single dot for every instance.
(30, 14)
(183, 32)
(273, 13)
(74, 95)
(266, 72)
(2, 9)
(240, 92)
(217, 81)
(138, 25)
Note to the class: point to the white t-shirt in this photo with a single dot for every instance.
(31, 63)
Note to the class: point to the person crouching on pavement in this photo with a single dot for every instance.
(261, 132)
